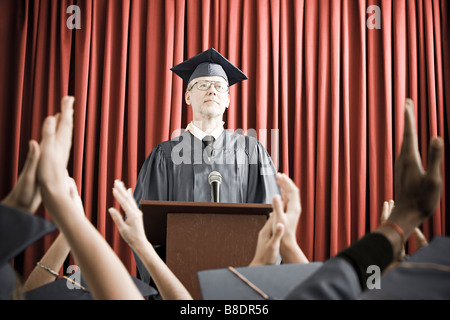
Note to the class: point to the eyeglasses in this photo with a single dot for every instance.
(204, 85)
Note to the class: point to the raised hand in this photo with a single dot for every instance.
(56, 144)
(416, 191)
(291, 208)
(64, 128)
(290, 205)
(278, 236)
(26, 195)
(269, 238)
(131, 229)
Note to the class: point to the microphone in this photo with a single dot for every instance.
(215, 179)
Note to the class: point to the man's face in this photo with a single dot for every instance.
(209, 103)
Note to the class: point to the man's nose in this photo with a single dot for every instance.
(212, 89)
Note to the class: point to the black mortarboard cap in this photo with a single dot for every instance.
(64, 289)
(275, 281)
(18, 230)
(425, 275)
(209, 63)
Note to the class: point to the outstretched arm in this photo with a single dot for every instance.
(103, 271)
(57, 253)
(132, 231)
(54, 259)
(417, 195)
(417, 192)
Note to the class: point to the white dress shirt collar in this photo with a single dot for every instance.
(200, 134)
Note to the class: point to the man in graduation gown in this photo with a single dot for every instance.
(178, 170)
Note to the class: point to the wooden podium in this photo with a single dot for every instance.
(203, 235)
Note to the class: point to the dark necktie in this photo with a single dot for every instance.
(208, 142)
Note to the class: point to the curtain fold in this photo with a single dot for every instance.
(325, 96)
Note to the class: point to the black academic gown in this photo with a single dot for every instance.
(178, 169)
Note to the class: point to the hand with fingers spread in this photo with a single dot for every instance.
(132, 231)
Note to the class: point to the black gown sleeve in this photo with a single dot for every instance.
(262, 184)
(152, 182)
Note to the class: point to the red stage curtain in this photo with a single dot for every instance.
(325, 95)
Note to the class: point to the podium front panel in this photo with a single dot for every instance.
(208, 241)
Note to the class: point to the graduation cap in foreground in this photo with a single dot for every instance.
(69, 289)
(18, 230)
(425, 275)
(254, 283)
(209, 63)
